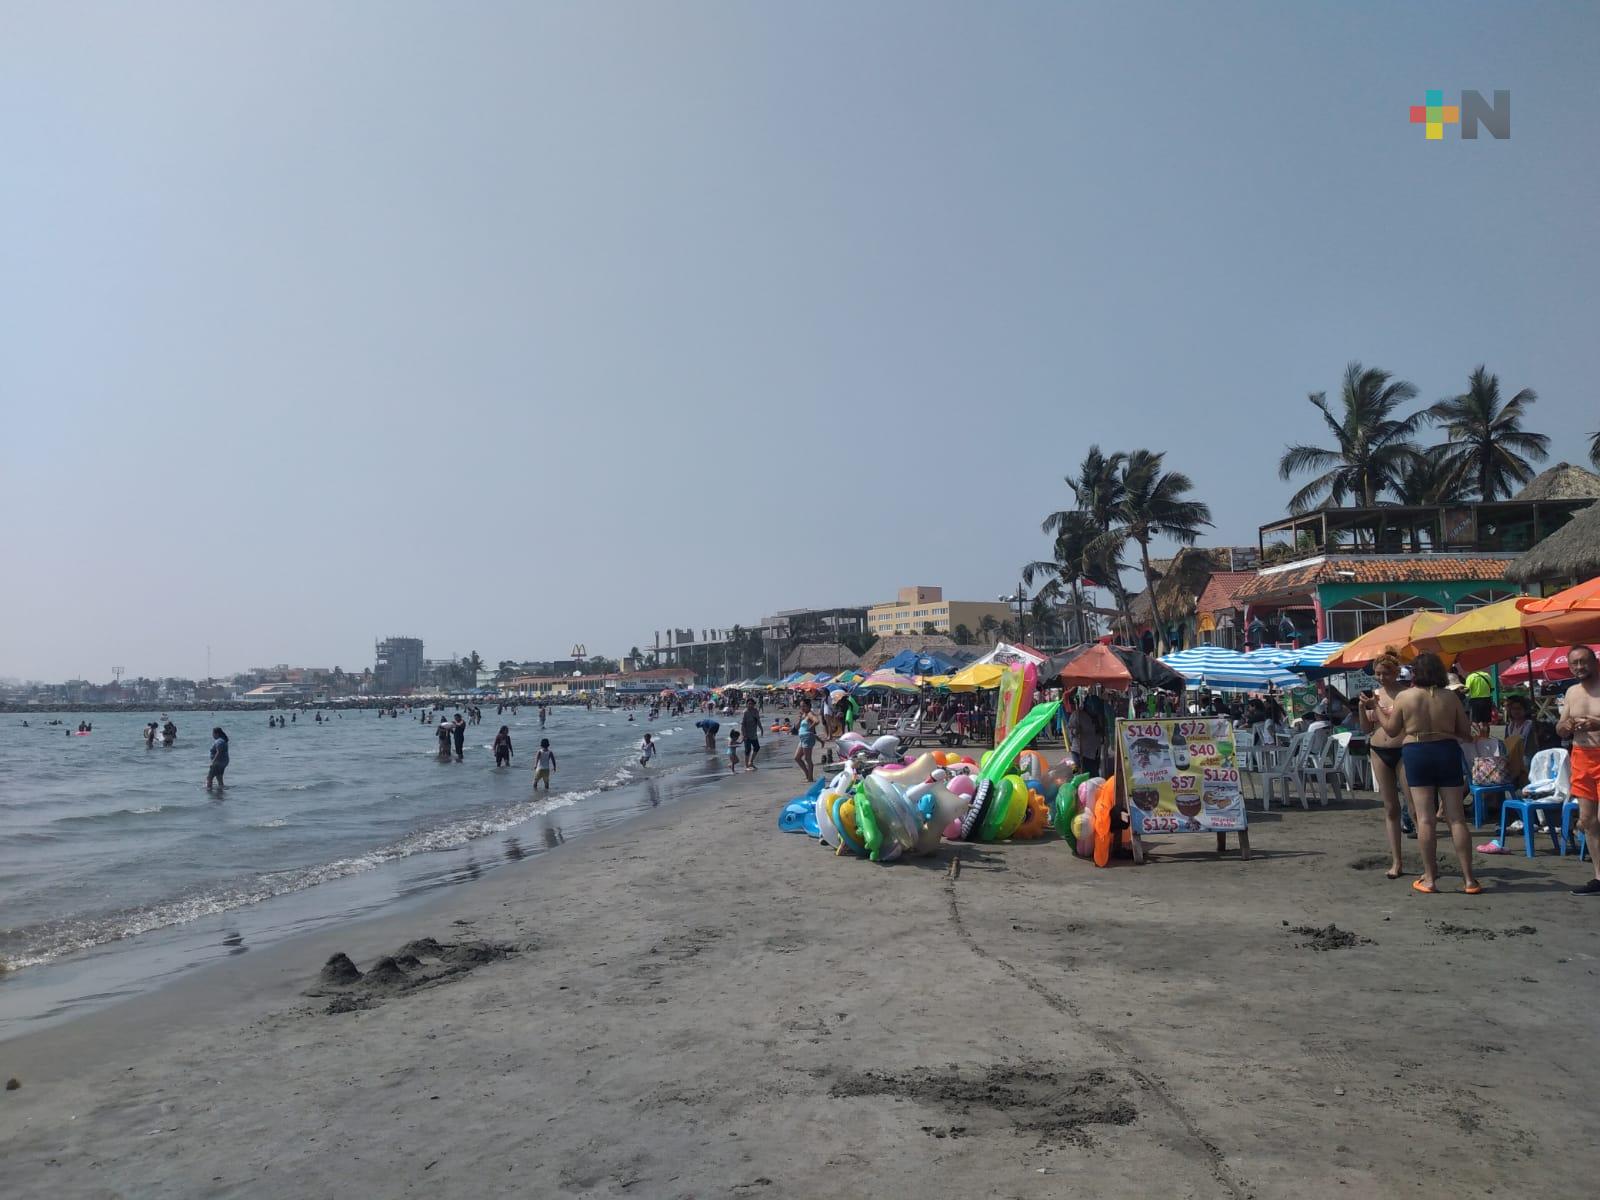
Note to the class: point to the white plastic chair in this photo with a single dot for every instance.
(1321, 768)
(1284, 765)
(1549, 775)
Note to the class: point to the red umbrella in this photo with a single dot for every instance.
(1548, 664)
(1093, 664)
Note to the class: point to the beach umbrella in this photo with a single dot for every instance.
(1548, 664)
(1212, 666)
(1276, 655)
(1088, 665)
(810, 685)
(1315, 656)
(1503, 630)
(937, 681)
(1584, 596)
(979, 675)
(1399, 633)
(891, 681)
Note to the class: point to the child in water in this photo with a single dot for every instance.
(543, 763)
(733, 751)
(647, 751)
(502, 747)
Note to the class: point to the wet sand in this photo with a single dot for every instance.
(693, 1004)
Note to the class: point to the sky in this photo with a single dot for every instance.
(515, 325)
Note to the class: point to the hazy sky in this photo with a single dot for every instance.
(513, 325)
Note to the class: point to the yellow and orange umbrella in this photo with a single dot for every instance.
(1503, 630)
(1398, 633)
(1584, 596)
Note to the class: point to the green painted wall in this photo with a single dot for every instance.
(1445, 595)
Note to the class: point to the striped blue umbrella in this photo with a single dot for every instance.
(1276, 655)
(1318, 654)
(1212, 666)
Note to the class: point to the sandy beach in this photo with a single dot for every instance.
(695, 1005)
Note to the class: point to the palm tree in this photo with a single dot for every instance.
(1487, 441)
(962, 636)
(987, 627)
(1081, 553)
(1371, 443)
(1430, 479)
(1155, 503)
(1594, 449)
(1080, 560)
(1043, 615)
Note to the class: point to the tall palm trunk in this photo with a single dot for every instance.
(1150, 586)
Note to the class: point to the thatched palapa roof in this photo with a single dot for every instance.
(885, 648)
(1571, 553)
(1562, 482)
(819, 656)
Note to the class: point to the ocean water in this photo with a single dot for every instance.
(118, 869)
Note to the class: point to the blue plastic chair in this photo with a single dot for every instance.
(1548, 784)
(1569, 818)
(1481, 791)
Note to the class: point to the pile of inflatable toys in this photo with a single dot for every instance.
(883, 806)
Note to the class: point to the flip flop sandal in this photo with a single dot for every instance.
(1418, 885)
(1473, 889)
(1394, 875)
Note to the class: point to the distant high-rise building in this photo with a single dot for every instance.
(399, 663)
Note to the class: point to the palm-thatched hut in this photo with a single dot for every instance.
(820, 656)
(886, 647)
(1569, 555)
(1562, 482)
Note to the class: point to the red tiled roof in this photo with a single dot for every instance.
(1378, 569)
(1222, 591)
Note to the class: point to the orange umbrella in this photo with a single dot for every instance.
(1398, 633)
(1503, 630)
(1583, 596)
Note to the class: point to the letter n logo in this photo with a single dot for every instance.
(1476, 111)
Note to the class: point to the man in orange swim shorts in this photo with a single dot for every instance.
(1580, 721)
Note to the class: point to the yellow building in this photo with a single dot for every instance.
(919, 607)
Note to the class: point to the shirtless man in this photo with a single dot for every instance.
(1580, 721)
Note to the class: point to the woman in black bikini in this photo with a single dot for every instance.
(1386, 751)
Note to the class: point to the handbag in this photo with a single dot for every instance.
(1491, 770)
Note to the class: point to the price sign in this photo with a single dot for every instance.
(1181, 776)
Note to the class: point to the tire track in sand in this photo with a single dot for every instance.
(1215, 1162)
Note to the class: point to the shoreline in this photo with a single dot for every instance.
(701, 1005)
(37, 995)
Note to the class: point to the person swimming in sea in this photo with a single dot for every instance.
(502, 747)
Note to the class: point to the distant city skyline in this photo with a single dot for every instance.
(521, 326)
